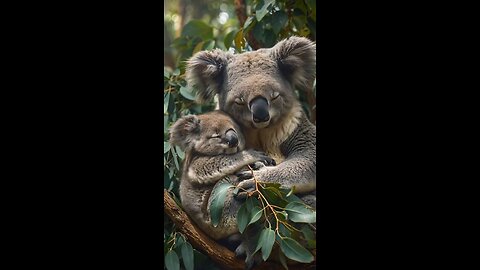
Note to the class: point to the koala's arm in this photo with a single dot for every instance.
(207, 170)
(299, 167)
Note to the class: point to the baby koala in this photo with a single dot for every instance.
(214, 150)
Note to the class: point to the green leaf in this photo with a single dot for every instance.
(187, 93)
(279, 19)
(209, 45)
(197, 48)
(166, 73)
(284, 230)
(180, 153)
(166, 101)
(251, 202)
(307, 232)
(267, 239)
(312, 243)
(294, 198)
(249, 23)
(291, 191)
(299, 212)
(255, 214)
(175, 158)
(171, 260)
(197, 28)
(219, 193)
(293, 250)
(187, 256)
(239, 40)
(180, 241)
(263, 10)
(166, 147)
(176, 72)
(242, 217)
(228, 40)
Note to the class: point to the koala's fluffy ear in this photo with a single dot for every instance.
(205, 72)
(184, 130)
(296, 58)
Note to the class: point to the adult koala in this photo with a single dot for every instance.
(257, 90)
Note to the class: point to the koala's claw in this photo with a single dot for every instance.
(243, 188)
(268, 161)
(257, 165)
(244, 175)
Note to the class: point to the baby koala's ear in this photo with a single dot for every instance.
(184, 131)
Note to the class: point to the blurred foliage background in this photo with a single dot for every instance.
(236, 25)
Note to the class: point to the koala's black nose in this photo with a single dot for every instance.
(259, 108)
(231, 138)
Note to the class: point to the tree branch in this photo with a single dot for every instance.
(224, 257)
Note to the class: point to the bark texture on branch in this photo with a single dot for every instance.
(224, 257)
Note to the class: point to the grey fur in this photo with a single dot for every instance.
(273, 74)
(207, 161)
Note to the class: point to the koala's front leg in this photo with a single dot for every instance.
(294, 171)
(207, 170)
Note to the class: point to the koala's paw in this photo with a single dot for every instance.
(250, 260)
(243, 188)
(262, 158)
(244, 175)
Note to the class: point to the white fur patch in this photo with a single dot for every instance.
(271, 138)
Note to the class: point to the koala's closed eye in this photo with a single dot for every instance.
(275, 95)
(216, 135)
(239, 101)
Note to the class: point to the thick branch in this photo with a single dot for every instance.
(218, 253)
(221, 255)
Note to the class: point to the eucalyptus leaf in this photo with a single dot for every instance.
(249, 23)
(299, 212)
(209, 45)
(307, 232)
(251, 202)
(180, 152)
(187, 93)
(187, 256)
(198, 47)
(166, 147)
(228, 40)
(293, 250)
(198, 28)
(219, 193)
(166, 101)
(239, 40)
(255, 215)
(171, 260)
(267, 242)
(175, 157)
(280, 18)
(242, 218)
(179, 241)
(262, 10)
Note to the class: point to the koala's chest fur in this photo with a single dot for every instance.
(269, 139)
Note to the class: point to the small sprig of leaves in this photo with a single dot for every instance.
(175, 245)
(287, 221)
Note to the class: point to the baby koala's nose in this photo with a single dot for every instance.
(231, 138)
